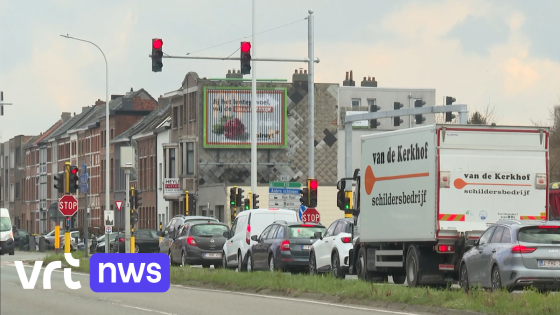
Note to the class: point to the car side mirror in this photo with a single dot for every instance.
(254, 238)
(318, 235)
(471, 243)
(226, 234)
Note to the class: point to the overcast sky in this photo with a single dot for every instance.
(505, 54)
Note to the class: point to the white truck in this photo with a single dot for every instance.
(424, 195)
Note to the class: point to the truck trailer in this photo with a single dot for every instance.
(424, 195)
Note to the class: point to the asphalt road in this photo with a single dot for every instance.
(178, 300)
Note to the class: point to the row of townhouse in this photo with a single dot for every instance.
(181, 145)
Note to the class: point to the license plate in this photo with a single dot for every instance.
(213, 255)
(549, 263)
(305, 246)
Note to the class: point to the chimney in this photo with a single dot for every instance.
(131, 90)
(349, 80)
(99, 102)
(370, 82)
(233, 74)
(65, 116)
(300, 76)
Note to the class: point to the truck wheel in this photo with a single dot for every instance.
(361, 263)
(412, 267)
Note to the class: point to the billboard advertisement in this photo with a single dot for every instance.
(227, 117)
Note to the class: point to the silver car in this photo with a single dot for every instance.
(513, 255)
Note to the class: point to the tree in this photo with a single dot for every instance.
(554, 142)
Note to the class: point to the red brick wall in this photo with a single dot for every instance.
(147, 182)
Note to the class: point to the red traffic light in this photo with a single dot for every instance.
(74, 171)
(158, 43)
(313, 184)
(245, 47)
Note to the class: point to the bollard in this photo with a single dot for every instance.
(42, 244)
(32, 244)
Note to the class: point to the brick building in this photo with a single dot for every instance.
(142, 138)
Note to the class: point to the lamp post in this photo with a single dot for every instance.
(107, 158)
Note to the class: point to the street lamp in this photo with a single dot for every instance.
(107, 159)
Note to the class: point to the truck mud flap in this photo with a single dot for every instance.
(429, 268)
(381, 258)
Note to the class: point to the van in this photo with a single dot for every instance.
(6, 234)
(246, 224)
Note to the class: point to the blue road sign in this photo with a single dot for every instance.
(288, 191)
(84, 170)
(84, 178)
(302, 209)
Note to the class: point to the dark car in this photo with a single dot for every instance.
(283, 246)
(199, 243)
(20, 235)
(172, 228)
(146, 241)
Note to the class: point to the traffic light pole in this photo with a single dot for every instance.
(127, 213)
(253, 111)
(311, 98)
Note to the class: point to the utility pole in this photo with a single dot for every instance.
(311, 96)
(127, 213)
(2, 103)
(253, 110)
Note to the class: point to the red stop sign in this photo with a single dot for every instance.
(68, 205)
(311, 215)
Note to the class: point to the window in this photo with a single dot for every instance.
(497, 237)
(371, 102)
(172, 163)
(17, 193)
(537, 235)
(506, 236)
(356, 102)
(183, 162)
(160, 180)
(281, 231)
(330, 231)
(175, 117)
(272, 231)
(12, 158)
(340, 228)
(486, 236)
(265, 232)
(190, 158)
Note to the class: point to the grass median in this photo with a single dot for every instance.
(355, 291)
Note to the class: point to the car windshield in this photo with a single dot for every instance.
(306, 231)
(5, 224)
(539, 235)
(208, 230)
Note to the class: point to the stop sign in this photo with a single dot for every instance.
(68, 205)
(311, 215)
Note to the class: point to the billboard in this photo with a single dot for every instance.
(227, 117)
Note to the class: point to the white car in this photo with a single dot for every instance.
(246, 224)
(330, 252)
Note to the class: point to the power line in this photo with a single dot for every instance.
(235, 40)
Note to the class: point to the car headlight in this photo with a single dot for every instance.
(9, 236)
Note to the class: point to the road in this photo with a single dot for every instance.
(178, 300)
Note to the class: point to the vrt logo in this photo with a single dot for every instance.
(29, 284)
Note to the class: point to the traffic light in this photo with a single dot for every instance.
(131, 198)
(239, 197)
(137, 199)
(59, 182)
(373, 123)
(255, 201)
(157, 54)
(449, 101)
(74, 179)
(312, 184)
(397, 121)
(245, 57)
(246, 204)
(419, 118)
(304, 192)
(133, 217)
(232, 197)
(191, 202)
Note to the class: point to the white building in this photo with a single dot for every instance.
(162, 133)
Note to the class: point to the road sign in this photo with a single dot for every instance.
(311, 215)
(108, 229)
(109, 217)
(84, 178)
(284, 195)
(302, 209)
(119, 204)
(284, 184)
(68, 205)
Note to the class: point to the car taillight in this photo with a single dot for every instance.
(191, 241)
(121, 240)
(446, 248)
(520, 249)
(307, 225)
(346, 240)
(285, 245)
(548, 227)
(248, 235)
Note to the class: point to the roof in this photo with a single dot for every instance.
(70, 123)
(146, 125)
(31, 142)
(52, 129)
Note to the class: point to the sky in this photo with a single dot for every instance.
(501, 54)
